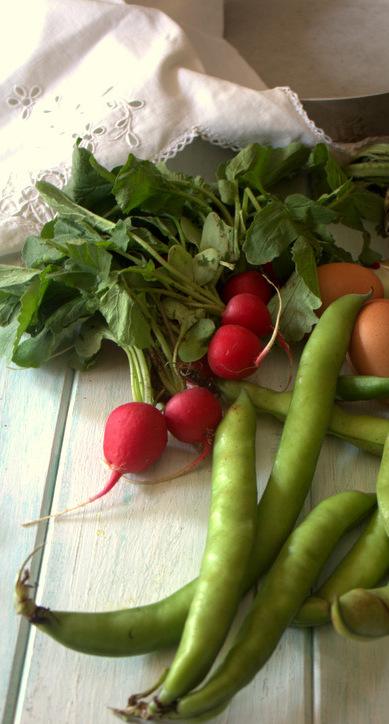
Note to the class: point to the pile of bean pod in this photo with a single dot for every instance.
(247, 540)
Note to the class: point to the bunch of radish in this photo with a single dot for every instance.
(136, 435)
(236, 349)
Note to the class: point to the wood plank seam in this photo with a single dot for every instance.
(19, 657)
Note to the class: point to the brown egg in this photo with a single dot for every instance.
(369, 345)
(339, 278)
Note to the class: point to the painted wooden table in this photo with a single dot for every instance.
(140, 544)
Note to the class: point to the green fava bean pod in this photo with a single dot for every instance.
(305, 427)
(383, 486)
(125, 632)
(362, 387)
(367, 432)
(362, 567)
(362, 614)
(279, 598)
(230, 538)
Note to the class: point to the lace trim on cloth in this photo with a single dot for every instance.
(26, 202)
(23, 212)
(189, 136)
(321, 135)
(344, 151)
(174, 147)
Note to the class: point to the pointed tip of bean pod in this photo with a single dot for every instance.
(23, 599)
(138, 709)
(119, 713)
(361, 614)
(136, 713)
(141, 711)
(124, 714)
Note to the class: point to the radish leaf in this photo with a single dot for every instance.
(271, 232)
(62, 203)
(90, 185)
(37, 253)
(195, 342)
(14, 278)
(298, 305)
(125, 320)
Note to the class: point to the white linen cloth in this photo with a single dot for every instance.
(125, 78)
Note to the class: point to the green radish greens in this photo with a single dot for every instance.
(136, 255)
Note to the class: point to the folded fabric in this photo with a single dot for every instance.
(125, 79)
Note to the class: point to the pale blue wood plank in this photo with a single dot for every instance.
(32, 415)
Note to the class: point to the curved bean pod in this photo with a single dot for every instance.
(315, 611)
(279, 598)
(125, 632)
(230, 538)
(362, 567)
(305, 427)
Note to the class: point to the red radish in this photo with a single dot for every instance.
(191, 416)
(252, 282)
(249, 311)
(235, 351)
(232, 352)
(135, 437)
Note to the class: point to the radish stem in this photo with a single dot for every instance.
(207, 447)
(274, 335)
(191, 287)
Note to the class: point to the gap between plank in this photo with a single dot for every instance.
(24, 632)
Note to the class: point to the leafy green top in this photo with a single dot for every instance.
(136, 254)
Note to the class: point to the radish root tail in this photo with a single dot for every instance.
(285, 346)
(114, 477)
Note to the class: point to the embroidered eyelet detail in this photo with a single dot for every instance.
(91, 135)
(24, 99)
(123, 126)
(26, 203)
(60, 117)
